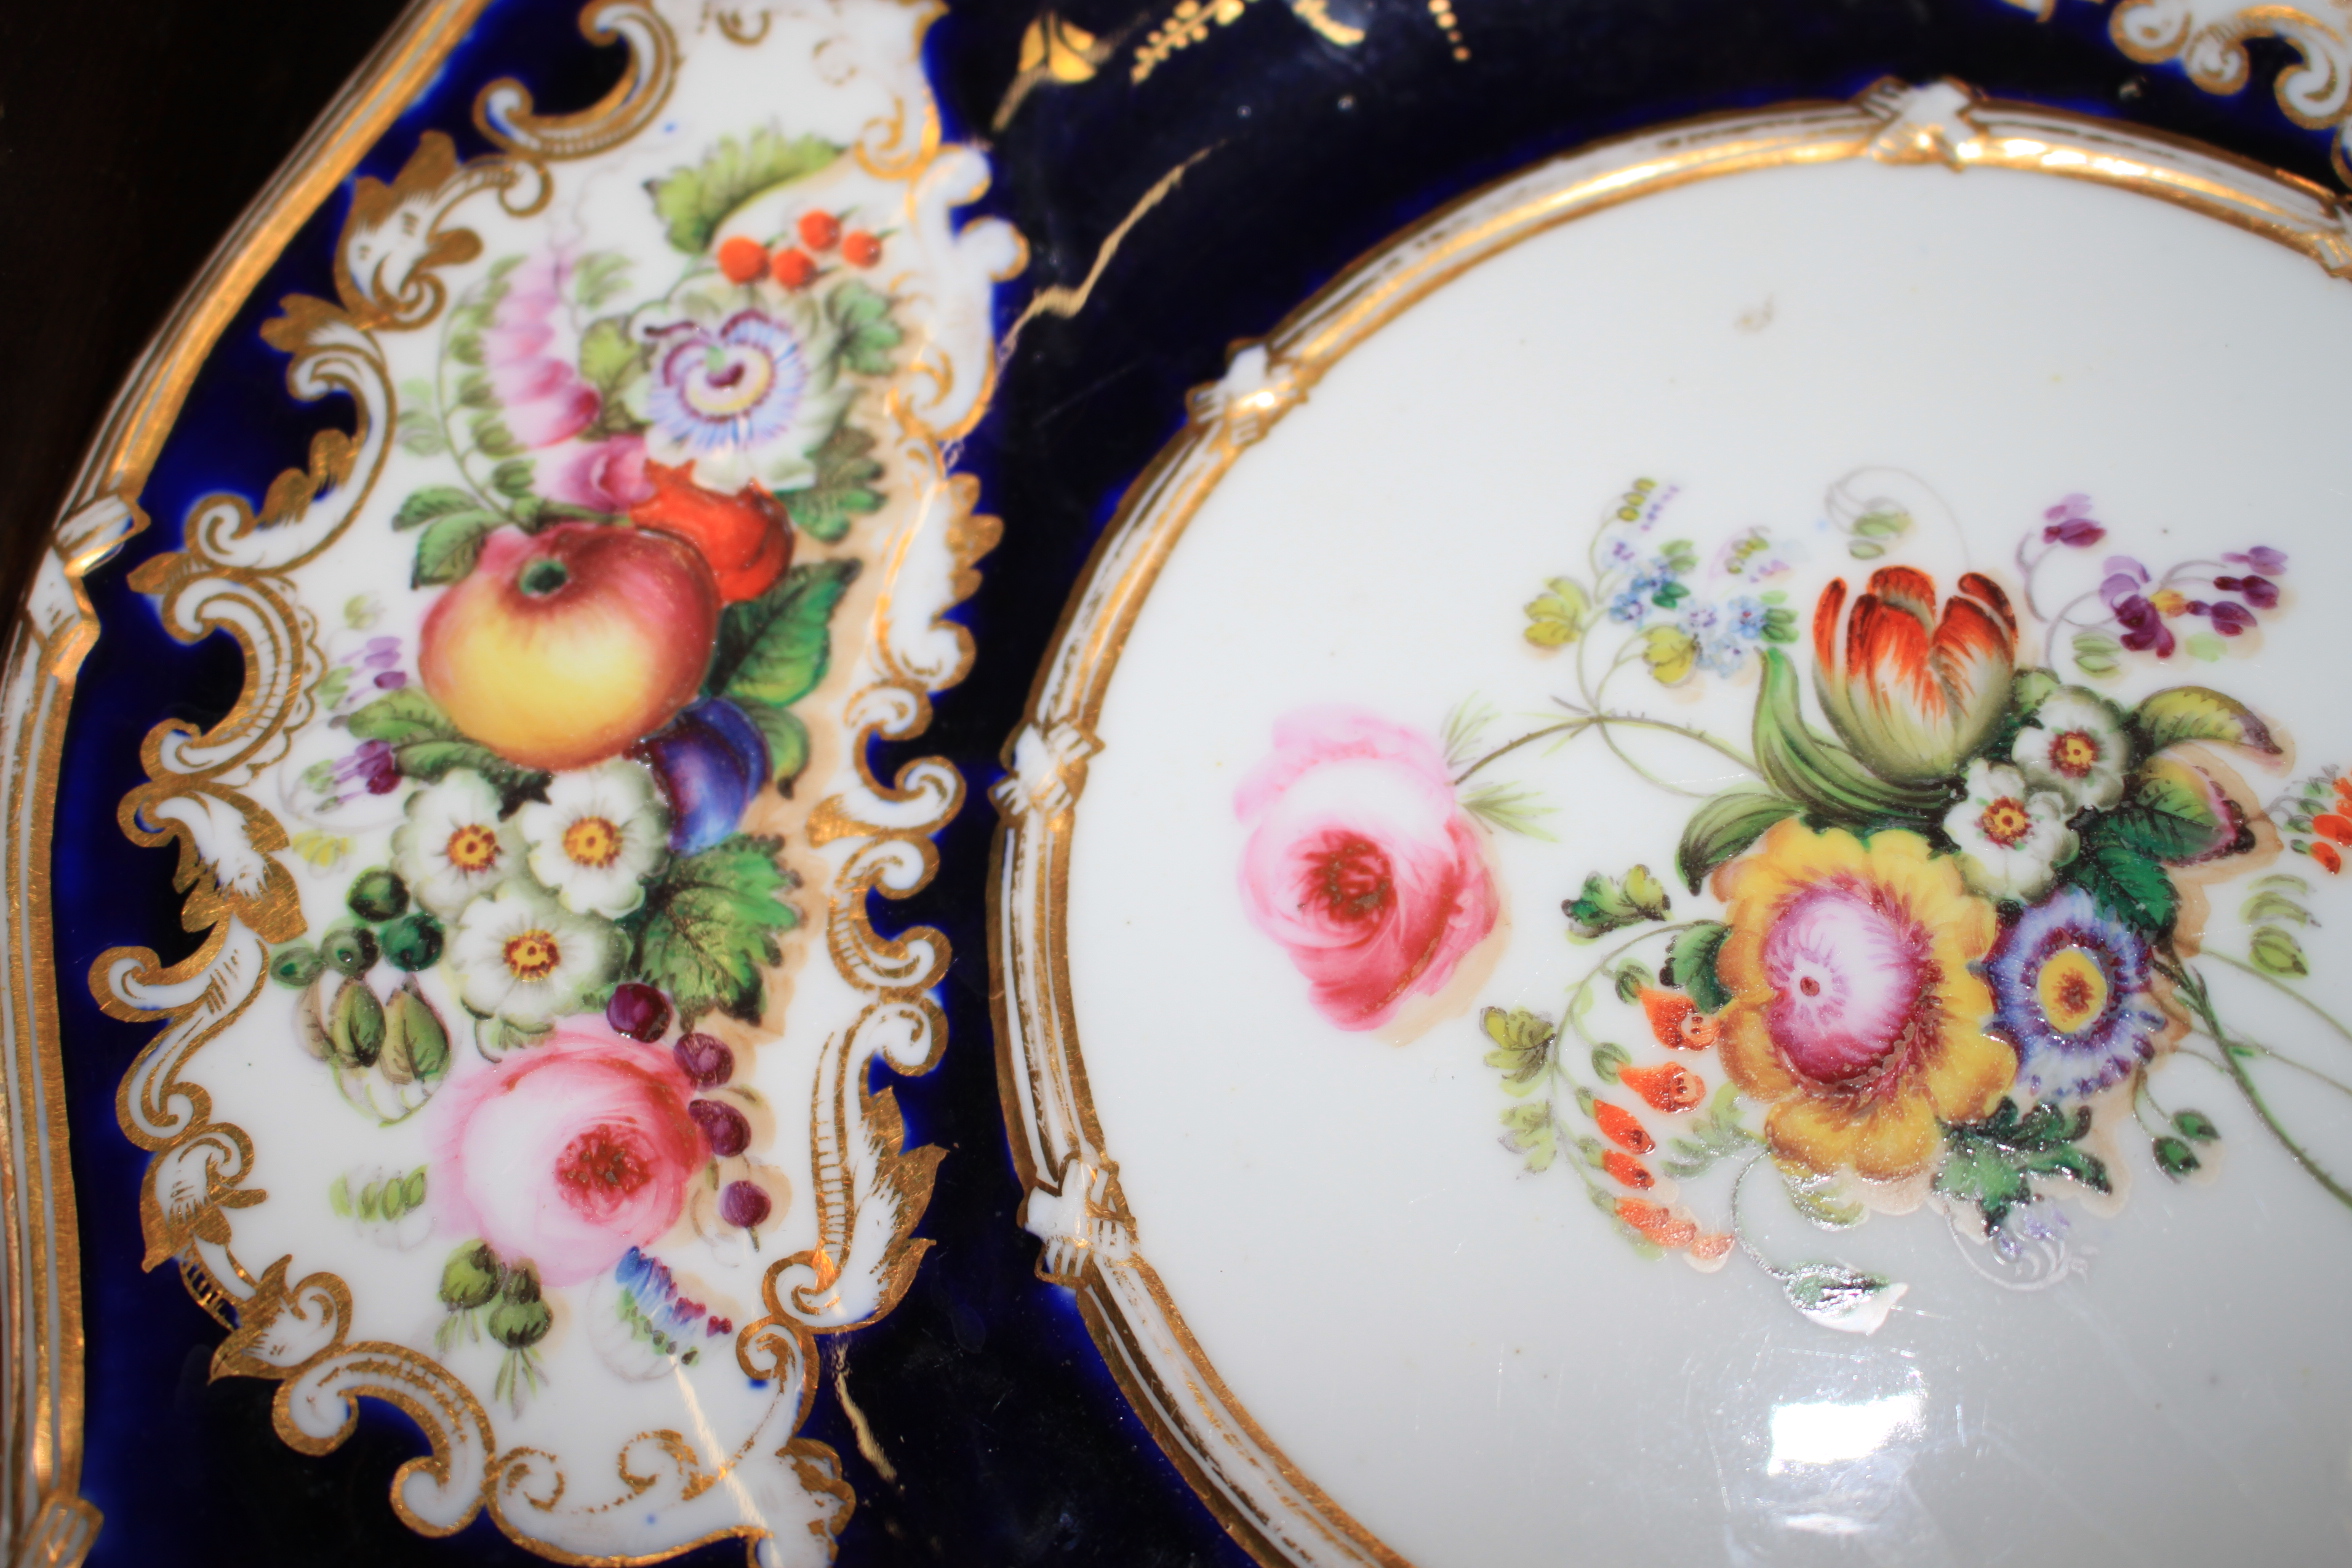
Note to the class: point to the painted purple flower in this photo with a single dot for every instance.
(2144, 628)
(2231, 618)
(730, 389)
(373, 765)
(2070, 991)
(2260, 592)
(2262, 558)
(2070, 523)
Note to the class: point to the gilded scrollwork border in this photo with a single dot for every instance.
(231, 576)
(1090, 1240)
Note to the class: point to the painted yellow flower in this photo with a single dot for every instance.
(1855, 1017)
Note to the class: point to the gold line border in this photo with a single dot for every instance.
(1252, 1488)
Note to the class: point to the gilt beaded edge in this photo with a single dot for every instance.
(1090, 1240)
(672, 374)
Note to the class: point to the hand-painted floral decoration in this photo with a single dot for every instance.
(623, 620)
(1950, 937)
(1361, 863)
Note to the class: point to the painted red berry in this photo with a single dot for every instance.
(742, 260)
(2335, 827)
(744, 1204)
(724, 1128)
(638, 1011)
(795, 269)
(1619, 1126)
(704, 1059)
(819, 230)
(860, 249)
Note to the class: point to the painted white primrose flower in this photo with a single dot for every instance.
(600, 833)
(2011, 838)
(523, 957)
(2079, 751)
(454, 847)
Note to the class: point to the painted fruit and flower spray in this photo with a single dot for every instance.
(1950, 940)
(634, 560)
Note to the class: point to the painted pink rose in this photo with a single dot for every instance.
(1361, 864)
(603, 476)
(567, 1154)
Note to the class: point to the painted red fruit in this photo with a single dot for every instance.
(860, 249)
(744, 1204)
(795, 269)
(742, 260)
(638, 1011)
(745, 536)
(819, 230)
(565, 647)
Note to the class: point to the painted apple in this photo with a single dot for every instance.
(711, 761)
(746, 537)
(563, 648)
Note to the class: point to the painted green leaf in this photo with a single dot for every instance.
(1724, 826)
(1556, 617)
(787, 738)
(1610, 904)
(512, 478)
(2273, 906)
(1992, 1164)
(1528, 1129)
(2097, 654)
(2197, 1125)
(1839, 1297)
(1609, 1059)
(608, 359)
(1512, 808)
(2169, 814)
(450, 546)
(774, 649)
(2124, 881)
(1818, 1197)
(862, 316)
(2276, 952)
(2200, 713)
(1819, 775)
(1522, 1042)
(1690, 964)
(710, 923)
(693, 201)
(843, 491)
(1715, 1134)
(1671, 653)
(600, 276)
(431, 503)
(2174, 1157)
(426, 745)
(1631, 978)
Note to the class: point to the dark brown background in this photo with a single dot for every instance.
(132, 133)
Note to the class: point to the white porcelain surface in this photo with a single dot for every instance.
(1462, 1352)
